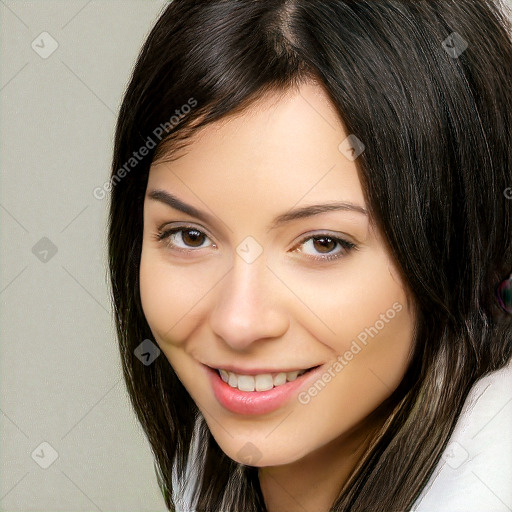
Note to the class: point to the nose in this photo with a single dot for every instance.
(247, 307)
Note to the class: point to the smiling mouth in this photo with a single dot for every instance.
(260, 382)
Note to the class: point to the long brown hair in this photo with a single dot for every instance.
(428, 82)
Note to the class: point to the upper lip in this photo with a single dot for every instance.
(260, 371)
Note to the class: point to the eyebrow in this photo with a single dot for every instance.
(298, 213)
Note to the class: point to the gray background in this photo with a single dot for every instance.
(60, 374)
(59, 364)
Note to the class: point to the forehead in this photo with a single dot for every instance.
(282, 150)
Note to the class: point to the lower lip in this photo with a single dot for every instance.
(257, 402)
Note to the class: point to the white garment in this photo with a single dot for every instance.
(475, 472)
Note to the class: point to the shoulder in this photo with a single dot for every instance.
(475, 471)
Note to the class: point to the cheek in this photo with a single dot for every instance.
(380, 343)
(359, 310)
(170, 296)
(371, 347)
(370, 351)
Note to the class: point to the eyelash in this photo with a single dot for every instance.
(344, 244)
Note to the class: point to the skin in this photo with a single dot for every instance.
(284, 309)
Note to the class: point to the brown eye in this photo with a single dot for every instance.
(192, 237)
(324, 247)
(185, 238)
(324, 244)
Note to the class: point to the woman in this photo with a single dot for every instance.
(309, 243)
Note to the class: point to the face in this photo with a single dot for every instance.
(240, 273)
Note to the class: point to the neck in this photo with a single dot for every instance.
(314, 482)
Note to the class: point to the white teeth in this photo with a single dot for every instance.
(262, 382)
(279, 379)
(245, 382)
(291, 376)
